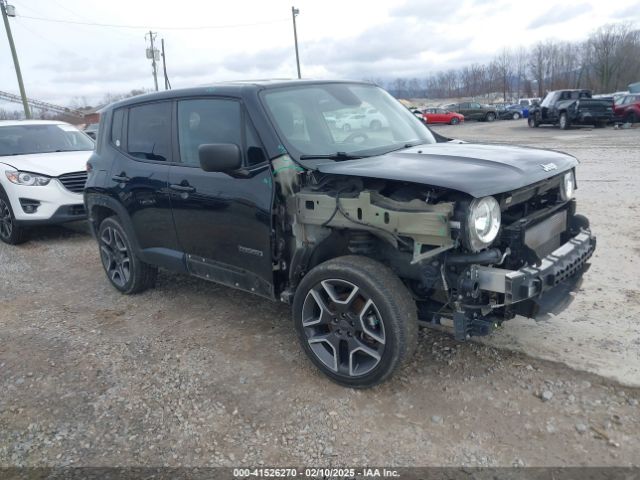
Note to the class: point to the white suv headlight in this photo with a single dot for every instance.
(567, 186)
(483, 223)
(26, 178)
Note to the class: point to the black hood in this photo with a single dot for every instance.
(476, 169)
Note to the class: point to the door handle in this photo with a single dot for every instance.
(182, 188)
(122, 178)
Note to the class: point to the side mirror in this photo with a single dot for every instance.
(219, 157)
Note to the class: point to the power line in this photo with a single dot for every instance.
(113, 25)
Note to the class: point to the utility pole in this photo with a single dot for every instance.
(167, 85)
(152, 53)
(7, 11)
(294, 13)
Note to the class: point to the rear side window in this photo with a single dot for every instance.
(149, 132)
(203, 121)
(116, 127)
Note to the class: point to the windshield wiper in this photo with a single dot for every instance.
(404, 147)
(332, 156)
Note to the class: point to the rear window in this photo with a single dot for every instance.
(149, 132)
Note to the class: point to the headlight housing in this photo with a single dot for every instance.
(28, 179)
(483, 223)
(567, 186)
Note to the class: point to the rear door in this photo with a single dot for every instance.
(223, 220)
(142, 136)
(475, 110)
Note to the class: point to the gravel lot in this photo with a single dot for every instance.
(196, 374)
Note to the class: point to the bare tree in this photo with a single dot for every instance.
(504, 66)
(605, 49)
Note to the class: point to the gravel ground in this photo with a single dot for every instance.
(196, 374)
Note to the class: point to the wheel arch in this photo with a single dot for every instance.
(100, 207)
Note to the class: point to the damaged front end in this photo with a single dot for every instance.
(458, 269)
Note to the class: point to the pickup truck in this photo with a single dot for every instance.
(571, 107)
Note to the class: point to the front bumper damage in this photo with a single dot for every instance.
(532, 281)
(525, 289)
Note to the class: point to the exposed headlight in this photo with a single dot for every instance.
(26, 178)
(567, 186)
(483, 223)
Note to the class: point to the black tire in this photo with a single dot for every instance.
(490, 117)
(515, 116)
(601, 125)
(126, 272)
(563, 121)
(373, 291)
(9, 232)
(631, 118)
(454, 121)
(375, 125)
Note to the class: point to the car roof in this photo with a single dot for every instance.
(232, 88)
(13, 123)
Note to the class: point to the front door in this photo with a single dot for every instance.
(223, 220)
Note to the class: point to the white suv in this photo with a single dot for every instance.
(42, 175)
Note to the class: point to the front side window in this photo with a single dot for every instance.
(354, 119)
(42, 138)
(149, 132)
(204, 121)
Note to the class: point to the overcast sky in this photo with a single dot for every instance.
(337, 39)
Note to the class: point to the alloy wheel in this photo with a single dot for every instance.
(343, 327)
(115, 256)
(6, 222)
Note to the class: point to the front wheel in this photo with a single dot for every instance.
(490, 117)
(355, 320)
(515, 115)
(10, 232)
(454, 121)
(532, 121)
(563, 121)
(124, 269)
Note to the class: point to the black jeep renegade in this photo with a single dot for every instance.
(365, 232)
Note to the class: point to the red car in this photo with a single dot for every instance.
(440, 115)
(628, 108)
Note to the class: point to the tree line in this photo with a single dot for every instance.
(607, 61)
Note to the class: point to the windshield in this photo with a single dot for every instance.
(26, 139)
(356, 120)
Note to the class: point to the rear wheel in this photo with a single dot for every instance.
(563, 122)
(490, 117)
(454, 121)
(9, 232)
(355, 320)
(124, 269)
(533, 121)
(631, 117)
(515, 115)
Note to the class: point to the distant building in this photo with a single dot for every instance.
(91, 114)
